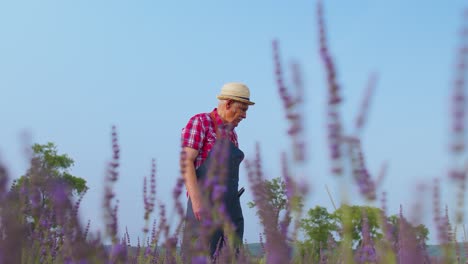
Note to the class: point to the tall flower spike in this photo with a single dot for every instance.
(459, 94)
(366, 251)
(291, 103)
(178, 205)
(448, 226)
(114, 164)
(438, 220)
(333, 86)
(145, 200)
(85, 234)
(361, 174)
(405, 252)
(364, 109)
(333, 115)
(387, 228)
(162, 227)
(458, 172)
(78, 202)
(110, 205)
(153, 182)
(297, 124)
(153, 233)
(461, 194)
(149, 198)
(465, 240)
(277, 249)
(138, 245)
(457, 247)
(382, 174)
(283, 91)
(262, 245)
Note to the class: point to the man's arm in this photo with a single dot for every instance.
(188, 169)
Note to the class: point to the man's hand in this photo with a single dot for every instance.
(197, 209)
(197, 216)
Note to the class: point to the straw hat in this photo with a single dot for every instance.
(235, 91)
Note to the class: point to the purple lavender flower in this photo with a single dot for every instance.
(262, 245)
(118, 253)
(218, 192)
(334, 99)
(366, 252)
(361, 118)
(276, 247)
(110, 209)
(149, 199)
(291, 104)
(86, 229)
(459, 98)
(361, 175)
(438, 220)
(199, 260)
(409, 248)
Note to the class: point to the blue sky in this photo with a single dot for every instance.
(72, 69)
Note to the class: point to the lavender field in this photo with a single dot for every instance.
(41, 219)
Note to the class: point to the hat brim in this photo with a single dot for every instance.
(227, 97)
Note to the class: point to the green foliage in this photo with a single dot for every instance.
(345, 224)
(277, 198)
(421, 232)
(353, 215)
(56, 165)
(50, 158)
(78, 184)
(318, 227)
(276, 193)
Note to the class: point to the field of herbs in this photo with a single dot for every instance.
(39, 214)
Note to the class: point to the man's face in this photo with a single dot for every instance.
(235, 112)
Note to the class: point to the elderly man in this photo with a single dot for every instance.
(199, 137)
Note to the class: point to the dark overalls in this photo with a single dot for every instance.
(231, 158)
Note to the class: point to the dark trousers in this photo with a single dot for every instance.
(217, 237)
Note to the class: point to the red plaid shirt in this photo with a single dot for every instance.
(200, 134)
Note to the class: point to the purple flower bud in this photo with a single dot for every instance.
(218, 192)
(199, 260)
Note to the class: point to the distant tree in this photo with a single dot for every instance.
(354, 214)
(53, 165)
(276, 196)
(318, 227)
(420, 232)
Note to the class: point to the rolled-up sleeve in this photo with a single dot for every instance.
(193, 133)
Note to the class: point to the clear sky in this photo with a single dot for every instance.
(69, 70)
